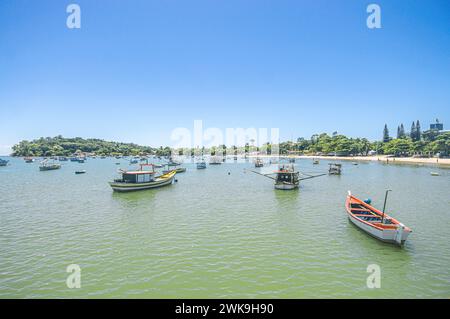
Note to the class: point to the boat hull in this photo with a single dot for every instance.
(386, 235)
(130, 187)
(285, 186)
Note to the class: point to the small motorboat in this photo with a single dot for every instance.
(3, 162)
(29, 160)
(374, 222)
(80, 172)
(315, 162)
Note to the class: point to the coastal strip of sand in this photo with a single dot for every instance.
(377, 158)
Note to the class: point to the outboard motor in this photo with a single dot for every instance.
(399, 233)
(368, 201)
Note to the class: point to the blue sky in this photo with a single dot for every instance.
(138, 69)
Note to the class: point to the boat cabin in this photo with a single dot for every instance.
(287, 175)
(334, 169)
(137, 177)
(140, 176)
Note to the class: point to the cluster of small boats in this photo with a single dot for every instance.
(360, 212)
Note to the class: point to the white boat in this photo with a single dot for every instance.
(375, 222)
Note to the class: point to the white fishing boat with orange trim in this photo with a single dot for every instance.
(374, 222)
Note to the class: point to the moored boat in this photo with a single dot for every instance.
(259, 162)
(286, 177)
(3, 162)
(141, 179)
(80, 172)
(334, 169)
(28, 159)
(46, 166)
(215, 160)
(201, 165)
(374, 222)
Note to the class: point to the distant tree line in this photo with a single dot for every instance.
(415, 142)
(60, 146)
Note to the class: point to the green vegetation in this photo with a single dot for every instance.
(60, 146)
(414, 143)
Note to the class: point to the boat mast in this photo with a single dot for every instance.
(384, 206)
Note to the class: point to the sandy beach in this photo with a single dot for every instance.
(379, 158)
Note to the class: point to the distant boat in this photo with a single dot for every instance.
(201, 165)
(141, 180)
(259, 162)
(374, 222)
(177, 169)
(354, 163)
(46, 166)
(434, 174)
(74, 159)
(215, 160)
(80, 160)
(134, 161)
(334, 169)
(80, 172)
(3, 162)
(63, 159)
(28, 159)
(315, 162)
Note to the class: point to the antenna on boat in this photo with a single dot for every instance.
(384, 206)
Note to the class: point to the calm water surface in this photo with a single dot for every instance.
(219, 235)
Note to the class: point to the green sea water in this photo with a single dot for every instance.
(221, 232)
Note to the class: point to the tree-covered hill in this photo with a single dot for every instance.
(60, 146)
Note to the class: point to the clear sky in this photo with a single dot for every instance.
(138, 69)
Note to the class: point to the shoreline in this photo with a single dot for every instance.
(444, 162)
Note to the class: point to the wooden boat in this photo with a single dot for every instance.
(46, 166)
(3, 162)
(374, 222)
(287, 178)
(334, 169)
(141, 179)
(259, 163)
(80, 172)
